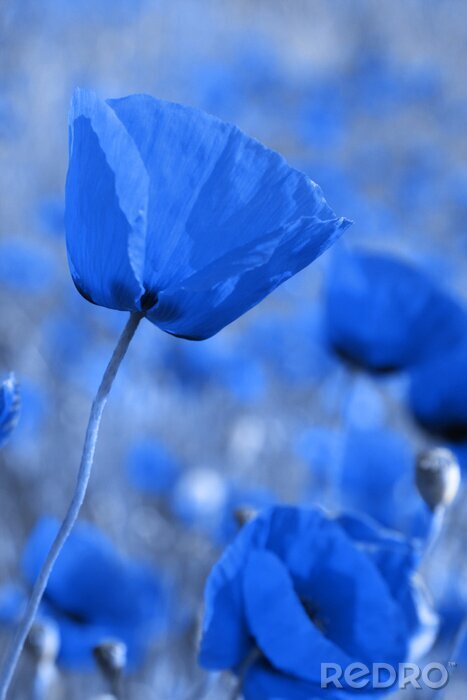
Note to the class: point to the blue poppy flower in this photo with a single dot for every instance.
(384, 313)
(438, 392)
(151, 467)
(93, 594)
(301, 589)
(9, 407)
(172, 212)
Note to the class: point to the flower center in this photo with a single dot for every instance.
(148, 300)
(313, 613)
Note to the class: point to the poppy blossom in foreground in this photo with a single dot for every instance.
(297, 589)
(176, 214)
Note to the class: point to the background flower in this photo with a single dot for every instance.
(386, 314)
(93, 594)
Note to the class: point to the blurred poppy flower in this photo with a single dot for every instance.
(9, 407)
(93, 594)
(300, 589)
(384, 313)
(174, 213)
(438, 392)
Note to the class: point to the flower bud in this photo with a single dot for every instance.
(437, 477)
(244, 514)
(44, 641)
(111, 655)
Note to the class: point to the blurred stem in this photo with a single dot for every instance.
(436, 529)
(116, 686)
(43, 679)
(14, 649)
(249, 661)
(455, 652)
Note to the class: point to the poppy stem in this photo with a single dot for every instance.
(453, 660)
(249, 661)
(435, 533)
(13, 651)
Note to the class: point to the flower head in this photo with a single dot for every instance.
(384, 313)
(305, 589)
(93, 594)
(438, 477)
(174, 213)
(438, 390)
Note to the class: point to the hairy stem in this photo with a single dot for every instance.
(14, 649)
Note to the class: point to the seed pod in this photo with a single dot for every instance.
(44, 641)
(243, 515)
(111, 656)
(437, 477)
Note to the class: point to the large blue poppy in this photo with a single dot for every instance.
(93, 594)
(174, 213)
(302, 589)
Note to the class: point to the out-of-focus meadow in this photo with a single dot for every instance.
(369, 99)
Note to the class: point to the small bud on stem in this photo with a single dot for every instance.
(437, 477)
(244, 515)
(111, 657)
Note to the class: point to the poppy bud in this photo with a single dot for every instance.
(437, 476)
(111, 657)
(244, 514)
(44, 641)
